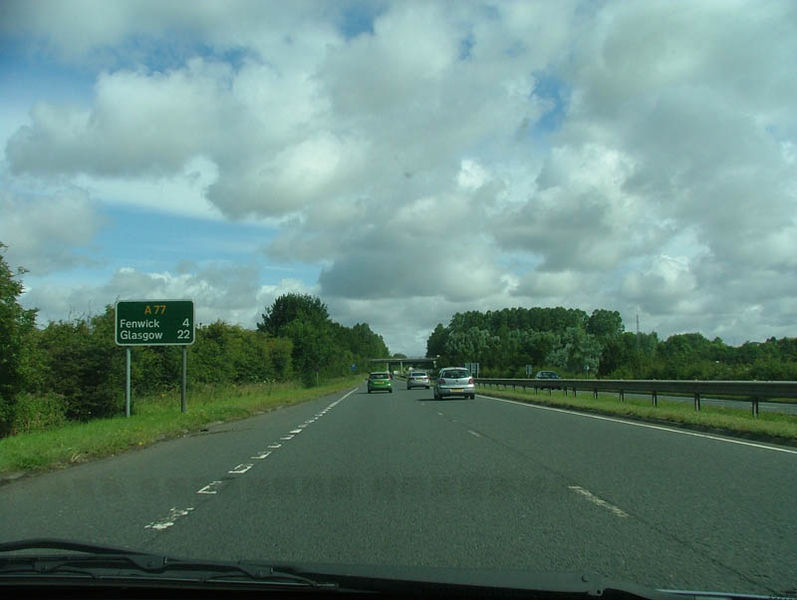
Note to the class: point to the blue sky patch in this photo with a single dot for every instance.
(551, 88)
(150, 241)
(358, 18)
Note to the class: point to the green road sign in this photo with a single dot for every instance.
(154, 322)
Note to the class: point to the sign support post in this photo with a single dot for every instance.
(127, 384)
(185, 377)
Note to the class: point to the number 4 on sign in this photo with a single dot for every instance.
(186, 323)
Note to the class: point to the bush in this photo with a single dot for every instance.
(37, 413)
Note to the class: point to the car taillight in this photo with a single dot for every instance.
(470, 381)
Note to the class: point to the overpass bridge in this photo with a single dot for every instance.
(391, 363)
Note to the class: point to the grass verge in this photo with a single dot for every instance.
(768, 427)
(154, 419)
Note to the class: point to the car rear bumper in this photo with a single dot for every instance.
(460, 390)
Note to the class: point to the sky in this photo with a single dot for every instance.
(405, 161)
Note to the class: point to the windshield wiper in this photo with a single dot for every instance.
(84, 565)
(95, 562)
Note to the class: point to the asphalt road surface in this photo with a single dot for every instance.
(402, 479)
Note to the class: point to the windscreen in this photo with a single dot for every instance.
(236, 235)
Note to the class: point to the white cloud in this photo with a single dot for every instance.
(182, 193)
(48, 233)
(632, 155)
(219, 290)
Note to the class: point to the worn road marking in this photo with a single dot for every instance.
(169, 520)
(598, 501)
(646, 426)
(242, 468)
(295, 431)
(261, 455)
(275, 446)
(470, 431)
(285, 438)
(211, 488)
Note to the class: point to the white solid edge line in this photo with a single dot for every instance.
(645, 425)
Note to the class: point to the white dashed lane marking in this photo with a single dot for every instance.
(240, 469)
(169, 520)
(211, 488)
(598, 501)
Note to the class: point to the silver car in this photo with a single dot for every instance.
(418, 379)
(454, 381)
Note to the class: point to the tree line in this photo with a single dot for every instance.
(577, 344)
(73, 370)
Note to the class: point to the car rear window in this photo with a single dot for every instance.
(459, 374)
(418, 374)
(380, 376)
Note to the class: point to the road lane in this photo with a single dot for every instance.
(403, 479)
(733, 503)
(113, 499)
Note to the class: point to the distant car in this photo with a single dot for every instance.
(454, 381)
(380, 380)
(546, 375)
(418, 379)
(543, 375)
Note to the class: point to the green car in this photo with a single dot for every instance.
(380, 381)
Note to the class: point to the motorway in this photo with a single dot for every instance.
(402, 479)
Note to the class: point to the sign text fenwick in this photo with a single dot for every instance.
(154, 322)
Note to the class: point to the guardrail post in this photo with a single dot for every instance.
(574, 392)
(655, 398)
(622, 396)
(550, 390)
(697, 401)
(755, 406)
(595, 393)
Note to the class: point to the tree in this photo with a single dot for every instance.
(85, 366)
(578, 352)
(605, 323)
(436, 344)
(15, 323)
(288, 308)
